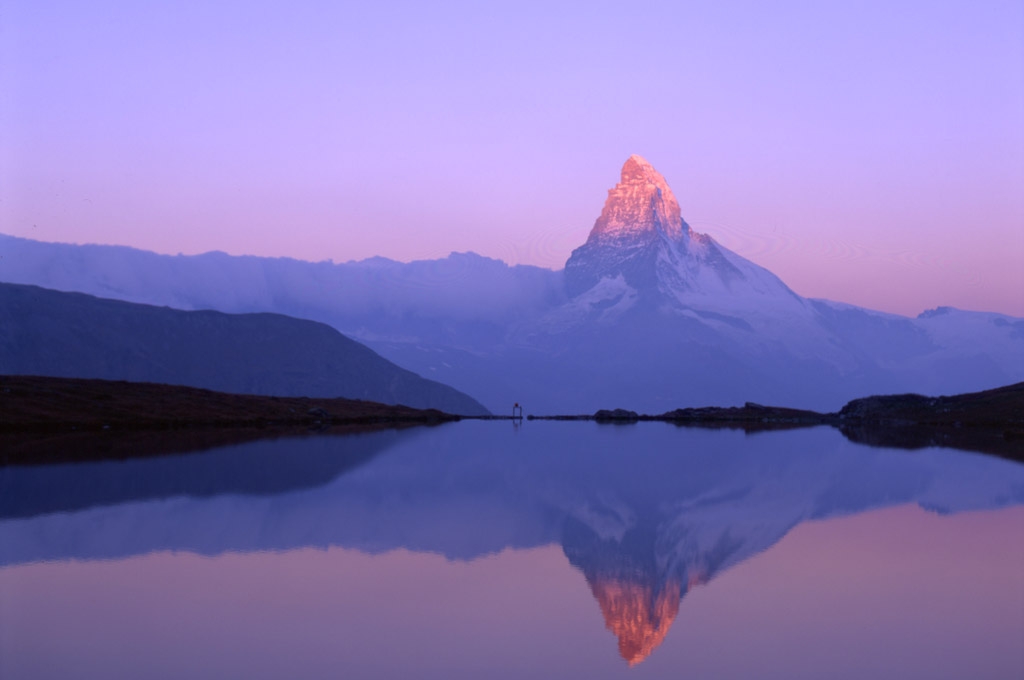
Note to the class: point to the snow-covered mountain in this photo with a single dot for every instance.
(641, 241)
(647, 315)
(643, 266)
(659, 314)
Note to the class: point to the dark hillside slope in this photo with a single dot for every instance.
(1002, 407)
(50, 333)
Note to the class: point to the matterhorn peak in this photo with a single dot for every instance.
(637, 168)
(641, 204)
(641, 242)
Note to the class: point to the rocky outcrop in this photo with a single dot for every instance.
(618, 414)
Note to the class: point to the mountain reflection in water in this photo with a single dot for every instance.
(646, 513)
(637, 613)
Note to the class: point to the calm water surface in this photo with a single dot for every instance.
(480, 549)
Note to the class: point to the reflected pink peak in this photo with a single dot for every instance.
(638, 616)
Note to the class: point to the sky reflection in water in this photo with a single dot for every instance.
(556, 549)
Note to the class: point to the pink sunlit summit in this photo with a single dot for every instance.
(641, 240)
(640, 204)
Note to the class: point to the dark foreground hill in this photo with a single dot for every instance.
(991, 421)
(34, 402)
(1002, 407)
(50, 333)
(44, 420)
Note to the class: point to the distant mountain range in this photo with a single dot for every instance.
(49, 333)
(647, 315)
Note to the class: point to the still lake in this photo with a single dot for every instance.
(547, 549)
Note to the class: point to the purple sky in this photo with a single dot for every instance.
(866, 152)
